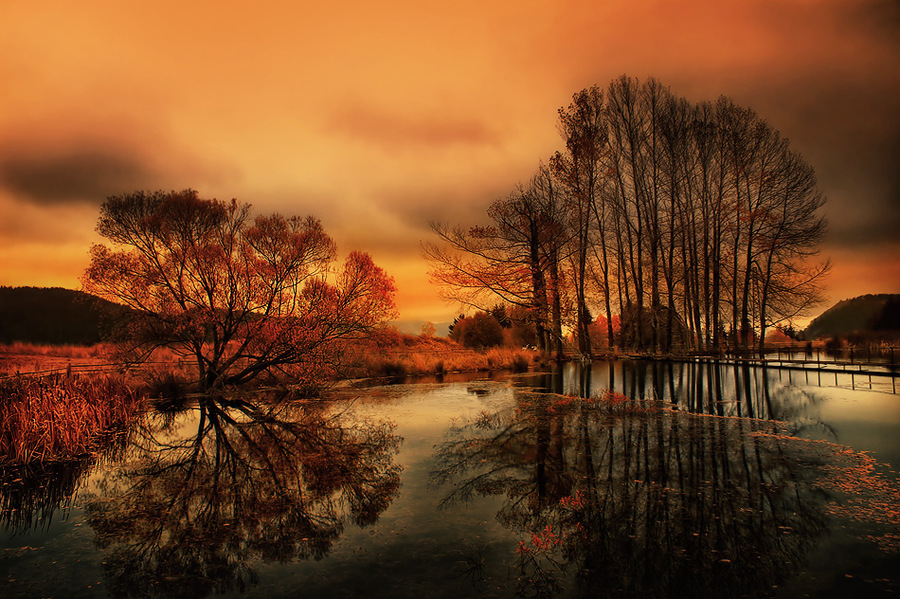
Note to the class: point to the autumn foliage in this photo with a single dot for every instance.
(478, 332)
(239, 296)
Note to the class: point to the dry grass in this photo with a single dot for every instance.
(395, 355)
(59, 417)
(100, 350)
(30, 358)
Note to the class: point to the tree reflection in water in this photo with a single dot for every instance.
(194, 513)
(612, 497)
(702, 387)
(30, 496)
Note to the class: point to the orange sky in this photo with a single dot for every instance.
(377, 117)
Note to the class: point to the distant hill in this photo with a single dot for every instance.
(51, 316)
(867, 315)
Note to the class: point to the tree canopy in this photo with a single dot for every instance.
(239, 295)
(696, 223)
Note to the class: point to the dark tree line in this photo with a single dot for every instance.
(694, 222)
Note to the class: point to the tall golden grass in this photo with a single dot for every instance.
(59, 417)
(100, 350)
(429, 356)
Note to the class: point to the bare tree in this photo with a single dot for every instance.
(683, 216)
(583, 127)
(516, 258)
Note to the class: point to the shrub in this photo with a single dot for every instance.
(478, 332)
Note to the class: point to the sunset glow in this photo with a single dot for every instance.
(380, 117)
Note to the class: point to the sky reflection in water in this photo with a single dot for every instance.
(476, 488)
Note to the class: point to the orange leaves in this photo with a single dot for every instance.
(198, 274)
(574, 502)
(614, 398)
(367, 290)
(541, 541)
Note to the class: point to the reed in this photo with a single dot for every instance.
(425, 360)
(100, 350)
(59, 417)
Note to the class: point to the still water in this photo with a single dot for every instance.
(722, 481)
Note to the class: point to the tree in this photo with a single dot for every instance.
(508, 259)
(478, 332)
(238, 296)
(583, 127)
(680, 217)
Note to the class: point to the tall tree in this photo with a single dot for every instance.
(683, 216)
(583, 127)
(516, 258)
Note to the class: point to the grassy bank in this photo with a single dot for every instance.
(30, 357)
(390, 354)
(59, 417)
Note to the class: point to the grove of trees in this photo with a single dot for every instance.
(237, 296)
(695, 223)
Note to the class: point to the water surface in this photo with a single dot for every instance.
(724, 481)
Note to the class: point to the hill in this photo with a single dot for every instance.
(868, 316)
(51, 316)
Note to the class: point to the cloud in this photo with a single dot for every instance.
(464, 202)
(391, 129)
(81, 175)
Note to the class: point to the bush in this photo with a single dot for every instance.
(478, 332)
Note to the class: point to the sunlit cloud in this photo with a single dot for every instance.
(380, 117)
(395, 130)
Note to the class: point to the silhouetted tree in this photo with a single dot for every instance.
(478, 332)
(583, 126)
(512, 258)
(239, 296)
(685, 216)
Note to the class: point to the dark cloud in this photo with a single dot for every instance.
(846, 129)
(880, 16)
(462, 202)
(86, 175)
(864, 233)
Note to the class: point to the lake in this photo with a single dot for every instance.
(722, 480)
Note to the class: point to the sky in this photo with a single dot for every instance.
(378, 117)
